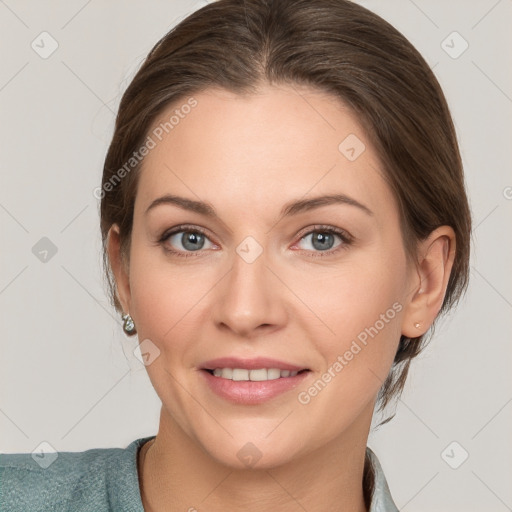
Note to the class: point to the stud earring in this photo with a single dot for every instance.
(129, 325)
(417, 325)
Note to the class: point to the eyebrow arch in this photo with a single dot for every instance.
(316, 202)
(184, 203)
(292, 208)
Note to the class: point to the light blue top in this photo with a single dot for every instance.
(100, 480)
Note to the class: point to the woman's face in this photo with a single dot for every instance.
(265, 238)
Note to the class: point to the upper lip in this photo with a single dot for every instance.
(249, 364)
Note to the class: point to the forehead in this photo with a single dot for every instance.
(260, 150)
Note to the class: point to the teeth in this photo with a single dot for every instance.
(259, 375)
(238, 374)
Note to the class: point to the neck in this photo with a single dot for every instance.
(176, 474)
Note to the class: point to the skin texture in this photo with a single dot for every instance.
(247, 156)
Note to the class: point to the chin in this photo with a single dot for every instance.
(252, 455)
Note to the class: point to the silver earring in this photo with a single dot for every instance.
(417, 325)
(129, 325)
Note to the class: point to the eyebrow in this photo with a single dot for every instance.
(292, 208)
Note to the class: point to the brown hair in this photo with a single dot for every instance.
(335, 46)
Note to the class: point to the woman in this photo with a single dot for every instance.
(284, 218)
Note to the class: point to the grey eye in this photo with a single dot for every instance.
(189, 240)
(321, 240)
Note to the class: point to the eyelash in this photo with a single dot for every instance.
(346, 240)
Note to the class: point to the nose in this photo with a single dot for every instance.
(249, 300)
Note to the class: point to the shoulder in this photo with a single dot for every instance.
(92, 480)
(382, 500)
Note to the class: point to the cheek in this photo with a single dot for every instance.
(165, 312)
(163, 295)
(171, 303)
(361, 305)
(363, 311)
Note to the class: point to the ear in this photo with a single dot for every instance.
(119, 267)
(435, 261)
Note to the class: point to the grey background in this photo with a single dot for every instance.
(68, 375)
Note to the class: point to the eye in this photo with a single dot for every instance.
(325, 240)
(322, 240)
(181, 241)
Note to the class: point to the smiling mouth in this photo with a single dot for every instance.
(253, 375)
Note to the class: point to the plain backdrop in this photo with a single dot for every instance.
(68, 375)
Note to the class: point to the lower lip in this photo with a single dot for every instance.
(247, 392)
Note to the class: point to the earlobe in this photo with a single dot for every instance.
(119, 267)
(435, 261)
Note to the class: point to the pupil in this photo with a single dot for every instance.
(192, 241)
(322, 241)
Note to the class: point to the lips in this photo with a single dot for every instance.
(258, 375)
(251, 381)
(250, 364)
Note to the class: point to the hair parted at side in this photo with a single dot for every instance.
(334, 46)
